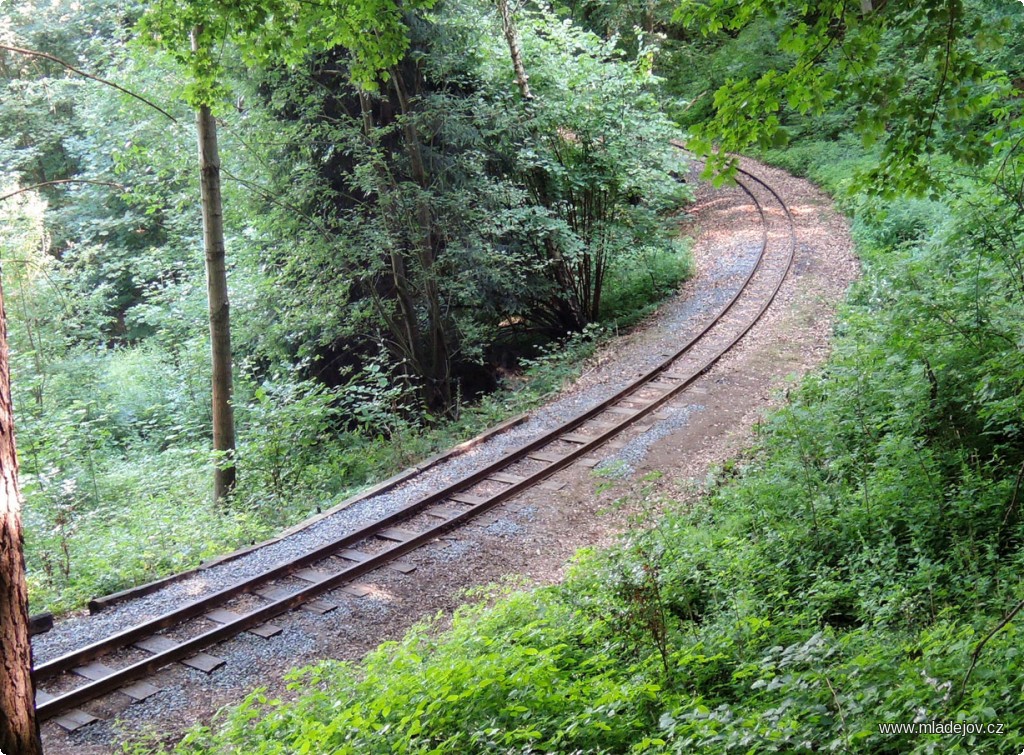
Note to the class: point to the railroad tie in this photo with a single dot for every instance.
(96, 671)
(442, 513)
(313, 576)
(508, 479)
(468, 498)
(351, 554)
(397, 535)
(223, 616)
(159, 644)
(579, 438)
(546, 456)
(69, 720)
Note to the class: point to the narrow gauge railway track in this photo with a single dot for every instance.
(217, 617)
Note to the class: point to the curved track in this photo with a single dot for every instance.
(182, 634)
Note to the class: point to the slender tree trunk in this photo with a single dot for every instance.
(217, 294)
(508, 25)
(649, 16)
(19, 732)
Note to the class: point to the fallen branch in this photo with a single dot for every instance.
(981, 645)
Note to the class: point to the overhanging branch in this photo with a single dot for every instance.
(47, 56)
(62, 181)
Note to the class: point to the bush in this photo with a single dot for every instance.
(153, 517)
(637, 283)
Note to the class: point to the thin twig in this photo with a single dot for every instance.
(695, 100)
(839, 708)
(80, 72)
(1015, 498)
(269, 196)
(981, 645)
(62, 181)
(940, 90)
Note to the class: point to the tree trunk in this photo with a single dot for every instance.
(217, 294)
(19, 732)
(508, 25)
(649, 17)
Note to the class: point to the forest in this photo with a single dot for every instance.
(426, 230)
(358, 343)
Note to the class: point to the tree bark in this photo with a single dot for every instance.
(19, 731)
(508, 25)
(217, 295)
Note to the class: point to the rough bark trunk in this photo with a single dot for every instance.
(217, 294)
(19, 731)
(508, 25)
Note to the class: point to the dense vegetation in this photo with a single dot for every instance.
(406, 248)
(863, 564)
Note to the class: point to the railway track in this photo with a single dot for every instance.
(185, 634)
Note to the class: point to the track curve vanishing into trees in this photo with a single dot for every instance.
(127, 656)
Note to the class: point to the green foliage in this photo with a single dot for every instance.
(104, 282)
(110, 467)
(530, 673)
(921, 77)
(151, 517)
(440, 210)
(290, 450)
(697, 65)
(272, 32)
(639, 281)
(601, 164)
(842, 578)
(631, 23)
